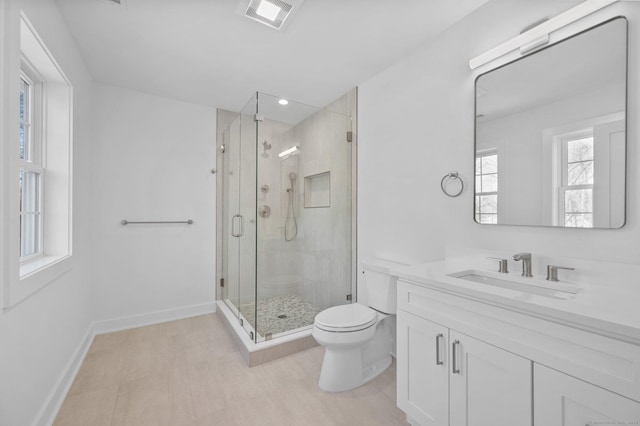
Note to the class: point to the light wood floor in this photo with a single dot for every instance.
(189, 372)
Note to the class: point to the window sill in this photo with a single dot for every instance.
(35, 275)
(34, 266)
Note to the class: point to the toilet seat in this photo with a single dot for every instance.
(346, 318)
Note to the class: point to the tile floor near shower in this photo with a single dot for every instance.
(189, 372)
(280, 314)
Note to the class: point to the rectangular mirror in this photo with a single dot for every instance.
(550, 134)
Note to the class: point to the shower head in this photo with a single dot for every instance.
(266, 144)
(293, 176)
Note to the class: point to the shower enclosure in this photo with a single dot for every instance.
(286, 198)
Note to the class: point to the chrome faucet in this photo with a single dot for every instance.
(526, 263)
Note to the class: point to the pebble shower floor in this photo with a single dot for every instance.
(280, 314)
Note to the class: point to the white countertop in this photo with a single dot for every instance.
(611, 309)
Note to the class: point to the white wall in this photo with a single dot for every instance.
(153, 160)
(416, 124)
(39, 336)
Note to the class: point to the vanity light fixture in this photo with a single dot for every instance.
(272, 13)
(529, 40)
(291, 150)
(283, 102)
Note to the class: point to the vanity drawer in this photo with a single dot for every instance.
(595, 358)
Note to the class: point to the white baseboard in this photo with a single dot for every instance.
(49, 411)
(134, 321)
(52, 406)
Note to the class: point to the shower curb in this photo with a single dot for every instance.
(260, 353)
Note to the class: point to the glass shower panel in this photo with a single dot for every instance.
(247, 219)
(304, 221)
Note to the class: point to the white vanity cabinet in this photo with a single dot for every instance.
(423, 370)
(562, 400)
(464, 361)
(448, 378)
(487, 385)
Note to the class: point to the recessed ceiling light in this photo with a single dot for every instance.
(283, 102)
(268, 10)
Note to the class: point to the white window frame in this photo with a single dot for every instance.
(563, 184)
(476, 212)
(34, 162)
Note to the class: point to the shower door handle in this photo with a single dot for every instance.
(233, 226)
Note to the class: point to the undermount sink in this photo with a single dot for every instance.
(552, 290)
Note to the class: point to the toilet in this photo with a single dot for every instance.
(358, 338)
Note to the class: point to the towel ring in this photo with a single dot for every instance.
(451, 176)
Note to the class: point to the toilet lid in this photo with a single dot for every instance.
(345, 318)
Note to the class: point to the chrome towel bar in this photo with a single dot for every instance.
(126, 222)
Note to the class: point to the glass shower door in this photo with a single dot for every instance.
(230, 151)
(239, 250)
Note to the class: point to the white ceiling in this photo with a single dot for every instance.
(203, 51)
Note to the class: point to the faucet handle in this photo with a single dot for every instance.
(502, 266)
(552, 271)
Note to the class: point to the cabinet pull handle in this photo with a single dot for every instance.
(438, 359)
(454, 356)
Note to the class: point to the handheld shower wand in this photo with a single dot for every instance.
(291, 213)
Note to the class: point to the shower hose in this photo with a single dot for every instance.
(291, 218)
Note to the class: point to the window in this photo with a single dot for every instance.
(40, 172)
(576, 191)
(486, 203)
(31, 173)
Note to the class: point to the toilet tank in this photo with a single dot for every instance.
(380, 285)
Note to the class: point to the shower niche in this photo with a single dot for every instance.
(280, 269)
(317, 190)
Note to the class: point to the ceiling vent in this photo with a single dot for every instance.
(272, 13)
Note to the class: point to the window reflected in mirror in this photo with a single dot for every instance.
(487, 187)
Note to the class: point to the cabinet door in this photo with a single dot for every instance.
(423, 383)
(562, 400)
(488, 385)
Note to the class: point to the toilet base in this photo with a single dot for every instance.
(353, 363)
(376, 369)
(343, 370)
